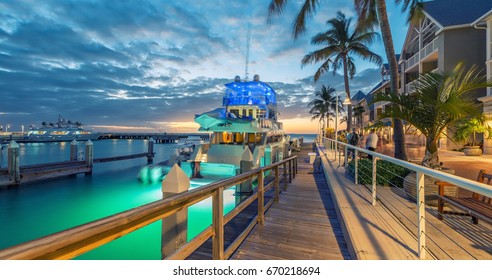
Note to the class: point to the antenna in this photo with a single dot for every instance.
(247, 53)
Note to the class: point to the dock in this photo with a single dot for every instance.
(160, 138)
(16, 174)
(326, 216)
(302, 226)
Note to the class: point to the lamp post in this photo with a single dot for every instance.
(346, 101)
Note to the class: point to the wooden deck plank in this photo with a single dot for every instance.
(303, 225)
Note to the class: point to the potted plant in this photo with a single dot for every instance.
(467, 129)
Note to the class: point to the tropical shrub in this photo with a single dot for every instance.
(388, 173)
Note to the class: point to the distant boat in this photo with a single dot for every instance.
(61, 131)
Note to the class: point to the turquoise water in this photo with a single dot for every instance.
(37, 209)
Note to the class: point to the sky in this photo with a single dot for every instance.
(152, 65)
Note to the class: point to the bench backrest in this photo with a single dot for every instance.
(485, 178)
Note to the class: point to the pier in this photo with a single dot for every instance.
(161, 138)
(16, 174)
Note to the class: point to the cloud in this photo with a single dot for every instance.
(147, 63)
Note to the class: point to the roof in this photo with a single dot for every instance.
(358, 96)
(369, 99)
(456, 12)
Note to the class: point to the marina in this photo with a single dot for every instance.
(179, 158)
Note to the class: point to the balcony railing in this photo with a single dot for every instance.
(425, 51)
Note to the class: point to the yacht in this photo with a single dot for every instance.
(62, 130)
(245, 126)
(247, 122)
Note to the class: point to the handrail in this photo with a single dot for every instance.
(421, 171)
(465, 183)
(75, 241)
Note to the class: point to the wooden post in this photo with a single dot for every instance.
(89, 155)
(294, 167)
(13, 162)
(218, 224)
(285, 176)
(261, 199)
(74, 149)
(174, 227)
(277, 187)
(246, 164)
(290, 171)
(150, 152)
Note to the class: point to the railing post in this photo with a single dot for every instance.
(218, 224)
(374, 180)
(421, 214)
(336, 151)
(261, 198)
(339, 157)
(356, 167)
(345, 160)
(294, 167)
(290, 171)
(276, 183)
(285, 176)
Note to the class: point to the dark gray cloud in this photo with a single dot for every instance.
(137, 63)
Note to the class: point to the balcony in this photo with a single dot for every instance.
(424, 52)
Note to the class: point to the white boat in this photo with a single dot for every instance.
(246, 123)
(61, 131)
(245, 126)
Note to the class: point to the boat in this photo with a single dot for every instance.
(245, 126)
(61, 131)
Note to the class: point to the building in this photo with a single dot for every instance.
(485, 22)
(446, 36)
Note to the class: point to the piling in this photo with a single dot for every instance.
(74, 148)
(89, 155)
(175, 226)
(246, 164)
(150, 152)
(13, 162)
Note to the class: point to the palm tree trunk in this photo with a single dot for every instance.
(399, 134)
(347, 90)
(431, 158)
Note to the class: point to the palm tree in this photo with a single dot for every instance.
(439, 101)
(339, 46)
(323, 104)
(371, 12)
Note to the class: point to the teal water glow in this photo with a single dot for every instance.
(37, 209)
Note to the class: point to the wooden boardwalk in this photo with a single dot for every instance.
(302, 226)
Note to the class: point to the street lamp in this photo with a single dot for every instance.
(345, 102)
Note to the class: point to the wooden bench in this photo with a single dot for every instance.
(477, 206)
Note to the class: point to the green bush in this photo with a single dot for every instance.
(387, 173)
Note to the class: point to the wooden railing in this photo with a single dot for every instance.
(73, 242)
